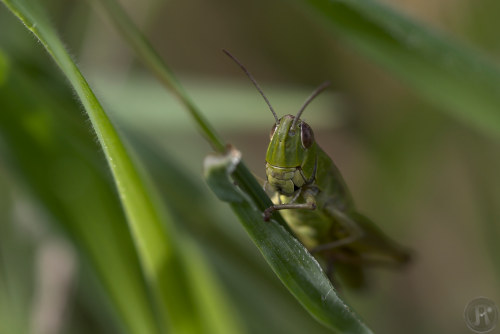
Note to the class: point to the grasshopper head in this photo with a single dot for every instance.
(290, 142)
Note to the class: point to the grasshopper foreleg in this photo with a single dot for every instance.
(310, 203)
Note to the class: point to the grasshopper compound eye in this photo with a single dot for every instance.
(306, 135)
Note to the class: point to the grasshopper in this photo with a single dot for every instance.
(307, 187)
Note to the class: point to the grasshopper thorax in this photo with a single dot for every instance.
(291, 155)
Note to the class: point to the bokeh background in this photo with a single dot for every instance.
(427, 179)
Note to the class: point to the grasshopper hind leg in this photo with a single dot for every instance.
(353, 233)
(350, 274)
(330, 273)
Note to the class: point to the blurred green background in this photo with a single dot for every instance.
(429, 180)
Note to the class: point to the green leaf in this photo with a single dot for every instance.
(149, 236)
(454, 77)
(49, 147)
(156, 64)
(289, 259)
(175, 301)
(292, 263)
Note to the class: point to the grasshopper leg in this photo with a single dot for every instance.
(310, 203)
(354, 233)
(269, 211)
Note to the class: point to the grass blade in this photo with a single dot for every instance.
(312, 288)
(288, 258)
(47, 144)
(158, 67)
(156, 242)
(465, 84)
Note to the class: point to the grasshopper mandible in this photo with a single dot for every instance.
(305, 184)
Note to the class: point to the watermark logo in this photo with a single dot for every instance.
(481, 315)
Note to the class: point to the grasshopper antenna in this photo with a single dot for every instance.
(253, 81)
(316, 92)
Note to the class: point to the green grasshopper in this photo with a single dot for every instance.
(304, 183)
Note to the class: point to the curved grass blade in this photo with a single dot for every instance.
(289, 259)
(242, 270)
(296, 268)
(458, 79)
(166, 271)
(48, 146)
(158, 67)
